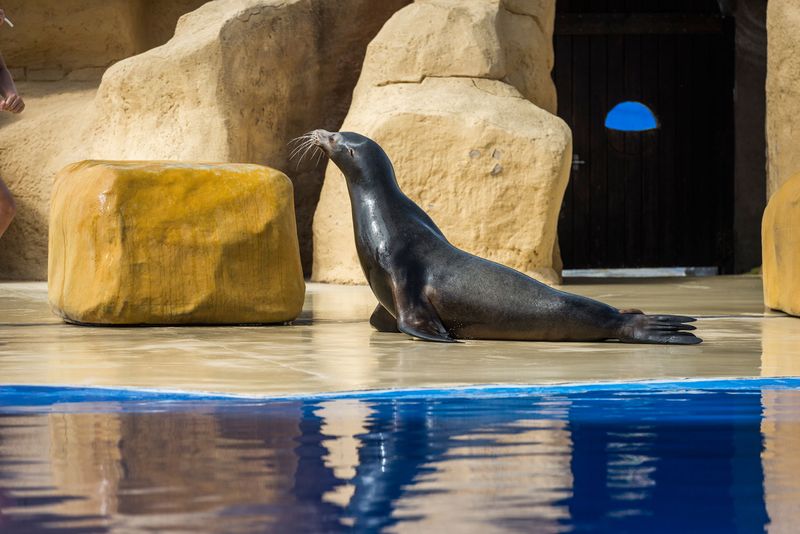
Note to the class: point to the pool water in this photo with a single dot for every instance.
(678, 457)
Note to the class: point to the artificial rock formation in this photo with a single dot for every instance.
(238, 80)
(783, 92)
(781, 248)
(62, 49)
(48, 135)
(494, 39)
(173, 243)
(453, 111)
(79, 39)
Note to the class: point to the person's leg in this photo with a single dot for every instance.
(7, 207)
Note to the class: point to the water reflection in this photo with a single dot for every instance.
(781, 429)
(613, 461)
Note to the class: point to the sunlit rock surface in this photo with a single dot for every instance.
(173, 243)
(781, 248)
(79, 39)
(493, 39)
(238, 80)
(57, 52)
(454, 112)
(34, 146)
(783, 92)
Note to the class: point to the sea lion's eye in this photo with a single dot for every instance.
(352, 153)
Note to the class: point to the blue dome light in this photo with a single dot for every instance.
(631, 117)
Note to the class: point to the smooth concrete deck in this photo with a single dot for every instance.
(332, 347)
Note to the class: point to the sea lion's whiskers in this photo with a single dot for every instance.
(310, 147)
(302, 150)
(315, 156)
(308, 135)
(297, 149)
(300, 143)
(312, 151)
(293, 155)
(300, 140)
(320, 153)
(304, 145)
(300, 147)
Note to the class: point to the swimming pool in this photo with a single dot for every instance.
(702, 456)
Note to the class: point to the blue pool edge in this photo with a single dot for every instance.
(41, 395)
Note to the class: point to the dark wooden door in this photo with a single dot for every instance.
(658, 198)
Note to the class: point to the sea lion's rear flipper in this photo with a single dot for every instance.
(383, 321)
(663, 329)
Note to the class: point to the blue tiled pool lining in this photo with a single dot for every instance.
(51, 395)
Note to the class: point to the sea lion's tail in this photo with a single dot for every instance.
(663, 329)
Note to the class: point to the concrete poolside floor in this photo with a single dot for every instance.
(331, 347)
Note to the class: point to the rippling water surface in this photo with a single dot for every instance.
(614, 460)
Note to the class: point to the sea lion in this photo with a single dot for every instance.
(431, 290)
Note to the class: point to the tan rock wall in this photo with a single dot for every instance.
(64, 48)
(157, 20)
(783, 92)
(447, 89)
(52, 132)
(239, 80)
(52, 39)
(69, 34)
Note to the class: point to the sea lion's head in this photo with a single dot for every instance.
(357, 156)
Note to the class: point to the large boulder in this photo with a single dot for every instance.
(493, 39)
(488, 166)
(780, 238)
(173, 243)
(453, 111)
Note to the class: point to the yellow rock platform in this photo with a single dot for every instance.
(173, 243)
(780, 238)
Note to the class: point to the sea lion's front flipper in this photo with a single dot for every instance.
(419, 323)
(383, 321)
(418, 318)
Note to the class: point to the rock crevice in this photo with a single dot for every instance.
(542, 28)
